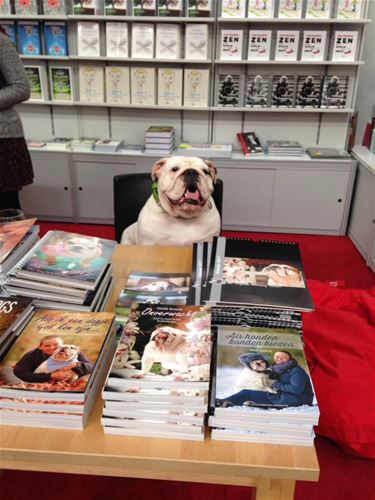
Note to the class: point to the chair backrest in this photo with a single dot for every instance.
(131, 192)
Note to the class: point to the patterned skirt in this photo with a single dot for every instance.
(16, 169)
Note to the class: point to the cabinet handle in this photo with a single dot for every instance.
(339, 200)
(80, 188)
(66, 188)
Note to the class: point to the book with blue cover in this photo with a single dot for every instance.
(10, 29)
(55, 37)
(29, 38)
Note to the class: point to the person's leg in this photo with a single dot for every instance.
(10, 200)
(246, 395)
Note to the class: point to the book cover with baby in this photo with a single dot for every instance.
(164, 345)
(57, 351)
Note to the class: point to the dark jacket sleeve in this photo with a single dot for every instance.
(84, 365)
(25, 367)
(17, 87)
(294, 384)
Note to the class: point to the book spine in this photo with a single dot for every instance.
(243, 144)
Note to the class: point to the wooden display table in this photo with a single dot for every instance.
(272, 469)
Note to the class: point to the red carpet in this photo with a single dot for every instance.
(342, 477)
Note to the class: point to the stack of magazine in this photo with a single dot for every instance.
(159, 379)
(14, 312)
(284, 148)
(65, 271)
(51, 373)
(16, 238)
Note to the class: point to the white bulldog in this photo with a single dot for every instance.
(180, 211)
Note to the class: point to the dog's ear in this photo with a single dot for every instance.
(157, 168)
(213, 170)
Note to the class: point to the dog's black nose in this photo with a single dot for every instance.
(191, 177)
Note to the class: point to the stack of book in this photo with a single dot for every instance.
(83, 144)
(250, 143)
(59, 144)
(52, 372)
(158, 382)
(208, 150)
(159, 140)
(65, 271)
(16, 239)
(14, 312)
(107, 145)
(284, 148)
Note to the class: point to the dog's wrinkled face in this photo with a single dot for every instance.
(185, 184)
(65, 352)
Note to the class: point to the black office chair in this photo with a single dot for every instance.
(131, 192)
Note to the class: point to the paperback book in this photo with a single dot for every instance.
(170, 8)
(29, 41)
(205, 150)
(229, 89)
(344, 45)
(290, 9)
(335, 91)
(67, 258)
(61, 83)
(117, 84)
(170, 86)
(196, 41)
(143, 41)
(54, 7)
(37, 76)
(142, 85)
(283, 91)
(115, 7)
(319, 9)
(168, 41)
(318, 153)
(5, 8)
(10, 29)
(286, 45)
(55, 38)
(314, 45)
(91, 83)
(117, 44)
(257, 91)
(88, 39)
(199, 8)
(231, 42)
(260, 9)
(14, 311)
(86, 7)
(259, 45)
(308, 93)
(233, 8)
(349, 9)
(196, 87)
(144, 7)
(26, 8)
(11, 234)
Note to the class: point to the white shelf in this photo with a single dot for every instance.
(303, 20)
(140, 60)
(281, 110)
(291, 63)
(148, 19)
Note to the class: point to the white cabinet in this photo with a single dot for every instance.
(362, 217)
(50, 196)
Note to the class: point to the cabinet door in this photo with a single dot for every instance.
(95, 188)
(50, 196)
(310, 200)
(247, 197)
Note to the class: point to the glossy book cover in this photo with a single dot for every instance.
(11, 234)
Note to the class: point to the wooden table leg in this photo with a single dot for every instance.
(274, 489)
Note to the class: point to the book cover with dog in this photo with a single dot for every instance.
(56, 352)
(164, 346)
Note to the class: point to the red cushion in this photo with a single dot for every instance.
(340, 349)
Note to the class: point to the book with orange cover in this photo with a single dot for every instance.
(11, 234)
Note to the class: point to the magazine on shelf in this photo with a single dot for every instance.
(29, 40)
(142, 41)
(260, 9)
(142, 85)
(55, 38)
(170, 86)
(172, 8)
(319, 9)
(199, 8)
(196, 87)
(264, 393)
(287, 42)
(314, 45)
(283, 91)
(290, 9)
(164, 346)
(115, 7)
(230, 8)
(117, 84)
(91, 83)
(54, 7)
(349, 9)
(28, 8)
(257, 91)
(51, 341)
(37, 76)
(335, 91)
(168, 41)
(67, 258)
(88, 36)
(117, 40)
(61, 83)
(344, 45)
(11, 234)
(144, 7)
(231, 42)
(259, 45)
(196, 41)
(308, 91)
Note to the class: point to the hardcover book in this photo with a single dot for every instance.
(260, 9)
(335, 91)
(86, 7)
(50, 342)
(117, 85)
(199, 8)
(290, 9)
(316, 152)
(37, 77)
(171, 8)
(196, 85)
(11, 234)
(286, 45)
(250, 143)
(318, 9)
(308, 91)
(144, 7)
(117, 44)
(168, 41)
(344, 45)
(115, 7)
(88, 39)
(26, 8)
(13, 310)
(29, 38)
(61, 83)
(257, 91)
(229, 89)
(349, 9)
(55, 38)
(10, 29)
(259, 45)
(283, 91)
(196, 41)
(170, 86)
(5, 8)
(67, 258)
(91, 83)
(314, 45)
(54, 7)
(231, 42)
(233, 8)
(142, 84)
(165, 346)
(143, 41)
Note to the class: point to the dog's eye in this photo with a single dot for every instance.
(206, 171)
(175, 169)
